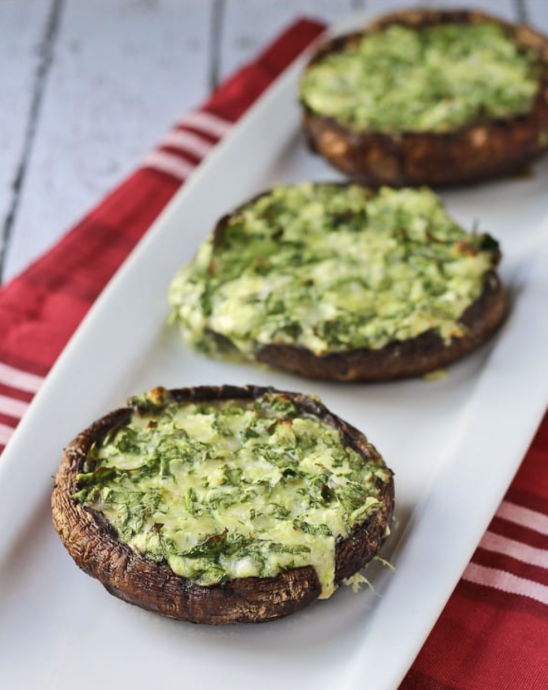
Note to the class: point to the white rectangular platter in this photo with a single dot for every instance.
(454, 445)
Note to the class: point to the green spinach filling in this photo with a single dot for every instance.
(229, 489)
(435, 79)
(331, 268)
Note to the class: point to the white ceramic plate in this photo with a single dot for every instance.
(454, 444)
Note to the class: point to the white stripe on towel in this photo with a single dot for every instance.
(523, 516)
(5, 433)
(15, 378)
(169, 163)
(12, 407)
(207, 122)
(509, 547)
(189, 142)
(506, 582)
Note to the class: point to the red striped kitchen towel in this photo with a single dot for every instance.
(493, 634)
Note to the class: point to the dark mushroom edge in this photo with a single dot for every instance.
(398, 360)
(94, 544)
(479, 150)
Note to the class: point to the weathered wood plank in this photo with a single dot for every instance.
(381, 6)
(248, 25)
(123, 72)
(22, 30)
(537, 11)
(502, 8)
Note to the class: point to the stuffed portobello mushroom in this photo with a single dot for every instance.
(221, 504)
(341, 282)
(429, 97)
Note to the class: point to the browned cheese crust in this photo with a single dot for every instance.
(478, 151)
(93, 544)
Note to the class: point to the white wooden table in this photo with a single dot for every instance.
(88, 88)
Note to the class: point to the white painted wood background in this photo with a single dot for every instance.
(87, 88)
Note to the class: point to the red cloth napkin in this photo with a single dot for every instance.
(493, 633)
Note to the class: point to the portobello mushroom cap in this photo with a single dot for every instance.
(94, 545)
(397, 360)
(482, 149)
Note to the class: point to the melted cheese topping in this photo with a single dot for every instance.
(331, 268)
(435, 79)
(224, 490)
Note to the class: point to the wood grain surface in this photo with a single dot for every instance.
(90, 87)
